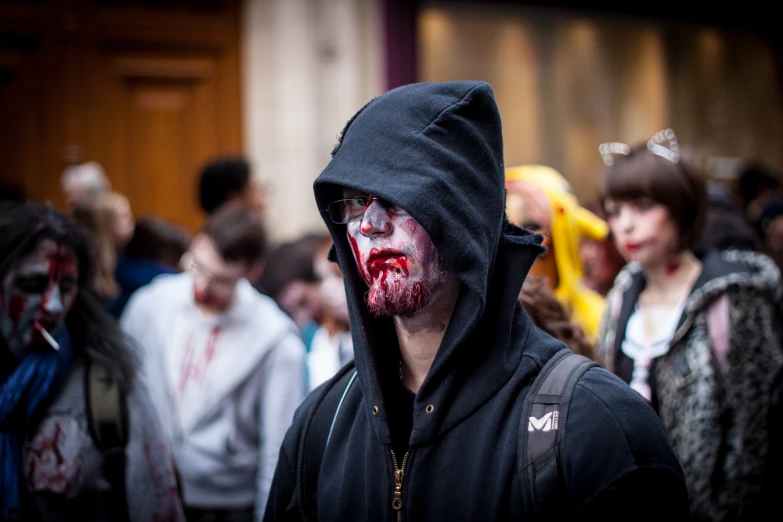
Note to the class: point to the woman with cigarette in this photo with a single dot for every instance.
(55, 460)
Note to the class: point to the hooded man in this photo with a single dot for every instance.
(427, 426)
(541, 200)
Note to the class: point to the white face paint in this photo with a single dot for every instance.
(214, 279)
(397, 259)
(39, 288)
(643, 230)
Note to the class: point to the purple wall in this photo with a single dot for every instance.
(400, 17)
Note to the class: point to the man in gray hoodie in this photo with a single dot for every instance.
(225, 366)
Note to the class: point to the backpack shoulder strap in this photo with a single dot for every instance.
(107, 419)
(315, 436)
(541, 432)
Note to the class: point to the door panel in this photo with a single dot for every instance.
(148, 89)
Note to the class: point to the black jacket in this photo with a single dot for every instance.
(436, 151)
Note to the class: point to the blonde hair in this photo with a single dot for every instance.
(98, 214)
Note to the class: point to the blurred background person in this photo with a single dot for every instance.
(769, 226)
(108, 218)
(540, 200)
(289, 278)
(230, 178)
(725, 226)
(696, 337)
(755, 186)
(330, 347)
(225, 367)
(549, 314)
(156, 248)
(83, 180)
(600, 258)
(61, 460)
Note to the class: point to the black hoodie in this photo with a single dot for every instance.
(435, 150)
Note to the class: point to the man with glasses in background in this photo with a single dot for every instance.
(225, 368)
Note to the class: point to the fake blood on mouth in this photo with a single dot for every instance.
(203, 298)
(380, 266)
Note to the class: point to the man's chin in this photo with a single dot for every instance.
(399, 300)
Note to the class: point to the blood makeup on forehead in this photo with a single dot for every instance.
(36, 291)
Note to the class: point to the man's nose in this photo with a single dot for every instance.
(376, 221)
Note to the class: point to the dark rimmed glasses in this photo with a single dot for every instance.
(346, 210)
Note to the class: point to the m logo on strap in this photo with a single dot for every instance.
(546, 423)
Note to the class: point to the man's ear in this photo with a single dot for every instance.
(256, 271)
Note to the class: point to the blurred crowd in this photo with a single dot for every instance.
(230, 332)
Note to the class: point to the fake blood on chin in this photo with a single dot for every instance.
(205, 299)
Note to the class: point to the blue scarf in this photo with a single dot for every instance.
(39, 373)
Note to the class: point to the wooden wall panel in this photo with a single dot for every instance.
(20, 116)
(150, 92)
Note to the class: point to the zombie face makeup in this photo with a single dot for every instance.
(214, 279)
(643, 230)
(37, 293)
(396, 258)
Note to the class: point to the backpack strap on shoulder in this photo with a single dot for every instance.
(107, 418)
(315, 436)
(542, 433)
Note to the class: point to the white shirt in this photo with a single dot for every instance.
(648, 336)
(327, 355)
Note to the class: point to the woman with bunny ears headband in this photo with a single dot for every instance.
(694, 336)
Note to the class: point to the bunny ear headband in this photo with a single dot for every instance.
(663, 144)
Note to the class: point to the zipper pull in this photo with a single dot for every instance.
(397, 502)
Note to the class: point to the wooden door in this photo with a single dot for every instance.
(149, 89)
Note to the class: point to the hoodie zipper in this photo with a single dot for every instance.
(399, 474)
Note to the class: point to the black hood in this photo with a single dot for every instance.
(436, 150)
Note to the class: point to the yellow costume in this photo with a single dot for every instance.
(568, 222)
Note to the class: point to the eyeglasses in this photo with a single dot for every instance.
(218, 283)
(344, 211)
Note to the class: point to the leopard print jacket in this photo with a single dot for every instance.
(715, 414)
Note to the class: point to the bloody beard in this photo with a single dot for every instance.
(400, 268)
(37, 292)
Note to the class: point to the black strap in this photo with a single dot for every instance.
(108, 424)
(315, 435)
(542, 434)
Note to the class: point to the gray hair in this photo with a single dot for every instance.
(89, 176)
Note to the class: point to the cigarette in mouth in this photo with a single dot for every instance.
(47, 336)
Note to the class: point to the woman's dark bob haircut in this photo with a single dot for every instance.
(644, 175)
